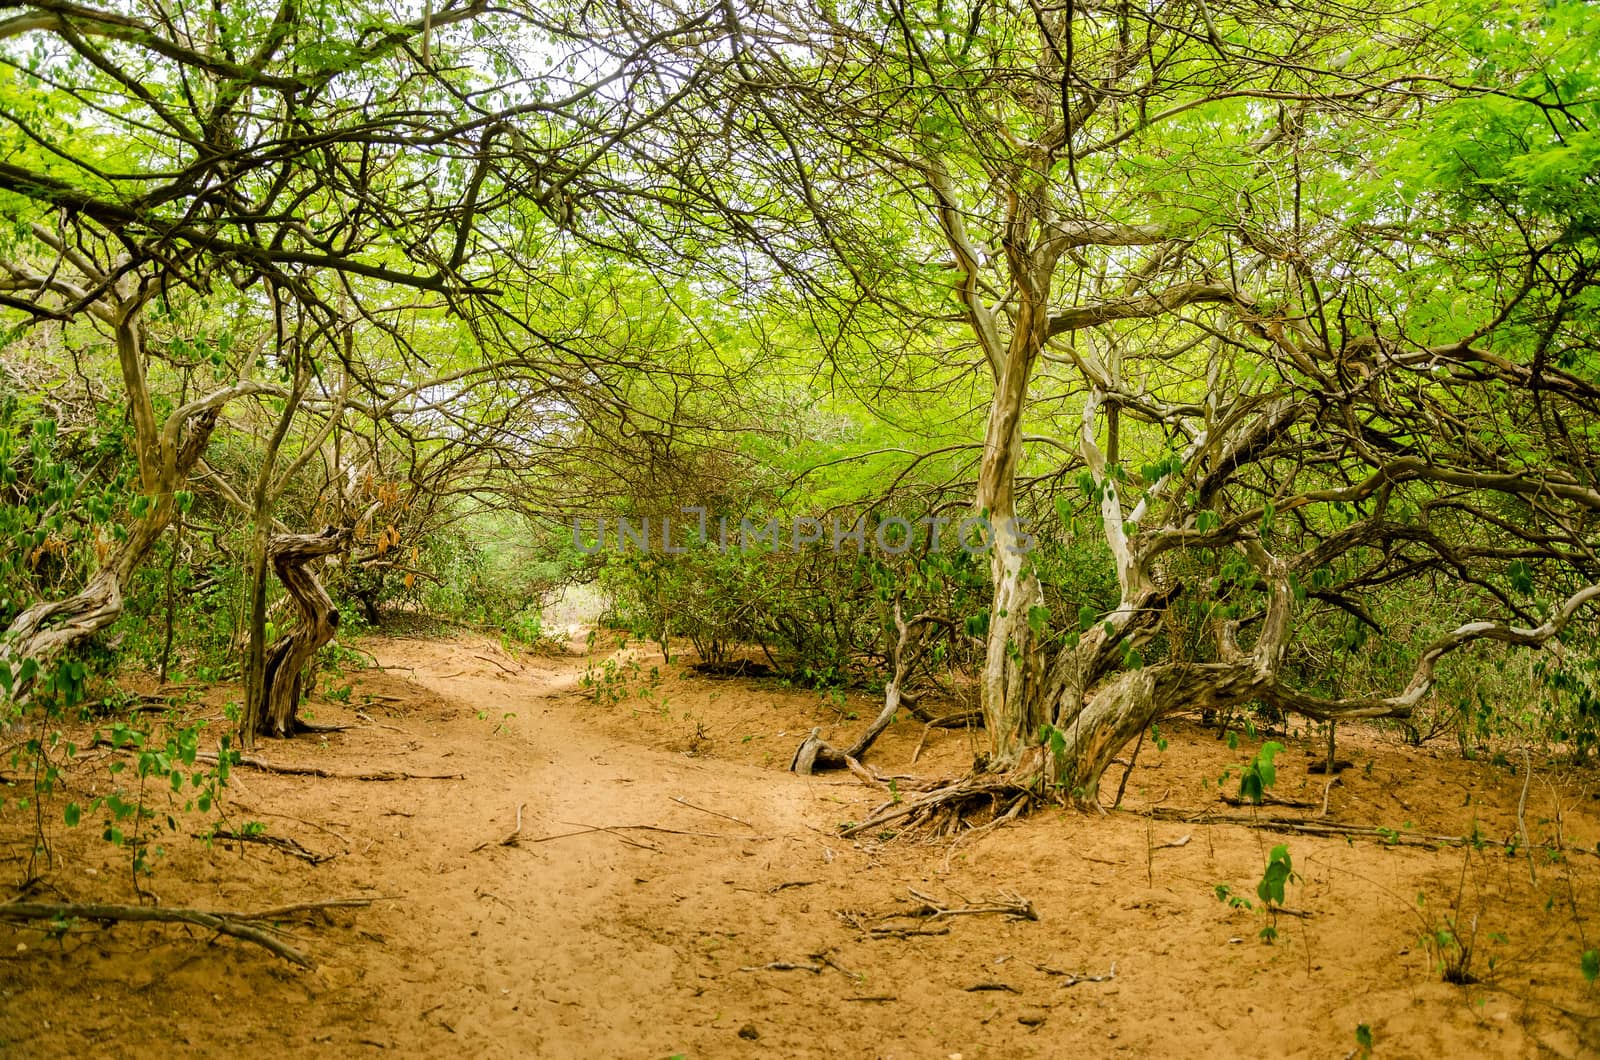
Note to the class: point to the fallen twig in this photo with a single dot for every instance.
(1268, 800)
(1073, 979)
(782, 966)
(614, 832)
(1007, 987)
(859, 922)
(496, 662)
(583, 829)
(824, 958)
(714, 813)
(279, 911)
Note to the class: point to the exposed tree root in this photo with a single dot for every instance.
(264, 766)
(255, 762)
(279, 843)
(930, 910)
(949, 807)
(223, 923)
(1390, 836)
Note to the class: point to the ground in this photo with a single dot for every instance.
(562, 938)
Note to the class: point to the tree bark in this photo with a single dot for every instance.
(283, 686)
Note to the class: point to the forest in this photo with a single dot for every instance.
(948, 528)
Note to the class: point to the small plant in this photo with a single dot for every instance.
(1451, 949)
(1280, 870)
(1363, 1041)
(1451, 945)
(1589, 964)
(1226, 896)
(1279, 873)
(1260, 774)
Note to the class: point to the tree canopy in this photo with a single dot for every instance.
(1260, 340)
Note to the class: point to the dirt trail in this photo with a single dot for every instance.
(636, 943)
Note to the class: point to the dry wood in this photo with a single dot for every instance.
(255, 762)
(222, 922)
(1008, 904)
(279, 911)
(714, 813)
(496, 662)
(782, 966)
(282, 844)
(1006, 987)
(816, 754)
(287, 658)
(858, 920)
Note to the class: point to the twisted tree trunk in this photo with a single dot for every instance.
(276, 712)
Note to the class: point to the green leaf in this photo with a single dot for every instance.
(1279, 870)
(73, 814)
(1590, 963)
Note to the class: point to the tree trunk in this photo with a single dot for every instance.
(275, 712)
(1012, 683)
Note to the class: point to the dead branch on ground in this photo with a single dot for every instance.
(282, 844)
(222, 922)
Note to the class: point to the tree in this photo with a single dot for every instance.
(1286, 396)
(332, 166)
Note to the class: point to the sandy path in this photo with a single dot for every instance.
(634, 943)
(590, 944)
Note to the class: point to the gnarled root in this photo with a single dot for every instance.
(973, 801)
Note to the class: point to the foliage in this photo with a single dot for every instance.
(1259, 775)
(1270, 891)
